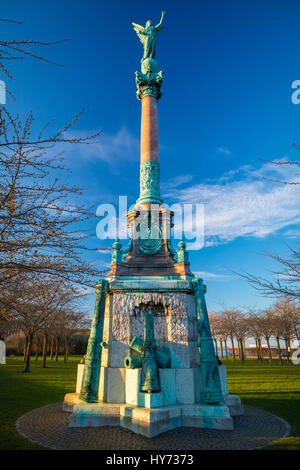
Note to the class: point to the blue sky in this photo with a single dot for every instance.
(226, 106)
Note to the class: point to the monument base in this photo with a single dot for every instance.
(148, 422)
(234, 404)
(149, 414)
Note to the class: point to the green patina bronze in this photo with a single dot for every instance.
(117, 254)
(149, 80)
(150, 183)
(133, 362)
(149, 376)
(144, 354)
(150, 234)
(148, 36)
(163, 358)
(211, 392)
(148, 84)
(91, 373)
(182, 254)
(130, 244)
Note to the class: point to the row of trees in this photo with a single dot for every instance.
(42, 308)
(279, 322)
(59, 343)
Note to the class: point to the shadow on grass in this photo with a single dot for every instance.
(273, 388)
(20, 393)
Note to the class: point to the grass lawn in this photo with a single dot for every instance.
(274, 388)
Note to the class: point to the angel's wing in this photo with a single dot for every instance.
(139, 30)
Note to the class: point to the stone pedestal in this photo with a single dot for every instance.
(147, 421)
(151, 414)
(180, 399)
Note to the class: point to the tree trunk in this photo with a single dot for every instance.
(28, 354)
(260, 350)
(226, 350)
(25, 348)
(37, 344)
(221, 349)
(244, 348)
(287, 344)
(241, 350)
(216, 346)
(279, 349)
(269, 349)
(45, 344)
(232, 345)
(66, 350)
(52, 349)
(257, 349)
(56, 349)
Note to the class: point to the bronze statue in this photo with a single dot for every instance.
(148, 36)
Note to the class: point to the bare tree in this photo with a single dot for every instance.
(265, 323)
(285, 281)
(294, 164)
(41, 215)
(214, 326)
(230, 319)
(36, 303)
(287, 318)
(220, 332)
(255, 331)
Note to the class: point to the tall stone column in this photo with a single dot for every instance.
(91, 372)
(148, 84)
(149, 130)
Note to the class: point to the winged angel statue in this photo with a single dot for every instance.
(148, 36)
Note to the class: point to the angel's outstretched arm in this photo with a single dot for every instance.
(159, 25)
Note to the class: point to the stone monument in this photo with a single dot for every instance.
(150, 364)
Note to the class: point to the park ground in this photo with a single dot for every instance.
(274, 388)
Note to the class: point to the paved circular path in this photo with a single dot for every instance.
(48, 426)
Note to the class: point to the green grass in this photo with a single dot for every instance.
(20, 393)
(274, 388)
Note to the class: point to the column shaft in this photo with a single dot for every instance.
(149, 130)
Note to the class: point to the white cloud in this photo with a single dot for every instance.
(224, 150)
(292, 233)
(110, 148)
(84, 291)
(207, 276)
(244, 204)
(176, 182)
